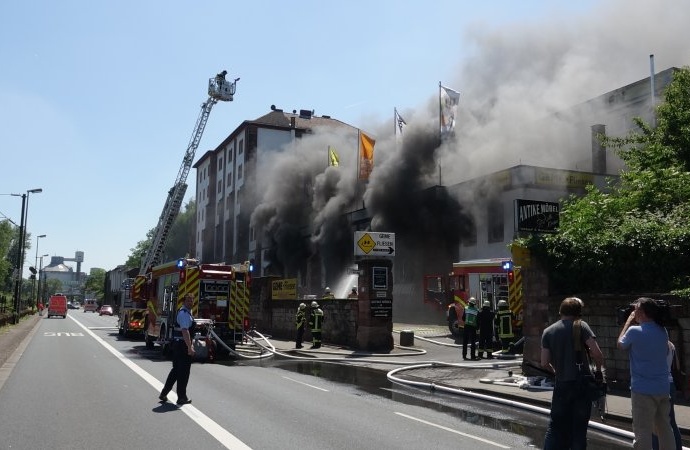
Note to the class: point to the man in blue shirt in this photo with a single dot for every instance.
(183, 353)
(647, 341)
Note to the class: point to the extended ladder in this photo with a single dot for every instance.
(219, 89)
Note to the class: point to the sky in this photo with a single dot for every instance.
(99, 99)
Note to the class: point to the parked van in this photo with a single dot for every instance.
(90, 305)
(57, 306)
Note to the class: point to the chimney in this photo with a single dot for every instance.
(292, 122)
(598, 151)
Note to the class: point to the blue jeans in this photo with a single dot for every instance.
(570, 412)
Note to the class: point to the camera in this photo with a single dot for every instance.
(663, 317)
(623, 313)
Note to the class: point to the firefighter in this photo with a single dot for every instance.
(504, 324)
(315, 324)
(299, 321)
(327, 295)
(353, 293)
(485, 322)
(469, 316)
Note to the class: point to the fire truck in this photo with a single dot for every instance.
(132, 313)
(491, 280)
(133, 305)
(220, 306)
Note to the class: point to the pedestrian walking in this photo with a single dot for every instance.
(646, 341)
(571, 407)
(485, 322)
(300, 318)
(315, 324)
(469, 335)
(183, 352)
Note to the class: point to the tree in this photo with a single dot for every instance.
(179, 242)
(95, 283)
(635, 234)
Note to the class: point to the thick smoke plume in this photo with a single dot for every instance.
(518, 92)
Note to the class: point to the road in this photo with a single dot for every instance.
(78, 385)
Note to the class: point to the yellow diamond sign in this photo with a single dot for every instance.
(366, 243)
(374, 243)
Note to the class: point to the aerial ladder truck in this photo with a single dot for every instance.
(137, 307)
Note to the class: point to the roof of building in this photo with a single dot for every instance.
(58, 268)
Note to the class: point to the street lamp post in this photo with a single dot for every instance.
(21, 251)
(40, 273)
(33, 283)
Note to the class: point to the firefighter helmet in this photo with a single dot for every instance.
(314, 305)
(502, 303)
(302, 306)
(486, 304)
(472, 301)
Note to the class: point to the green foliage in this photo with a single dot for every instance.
(179, 243)
(634, 235)
(95, 283)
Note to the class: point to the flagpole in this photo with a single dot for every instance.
(395, 128)
(440, 112)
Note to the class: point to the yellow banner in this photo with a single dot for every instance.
(285, 289)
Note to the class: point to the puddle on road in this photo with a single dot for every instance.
(374, 382)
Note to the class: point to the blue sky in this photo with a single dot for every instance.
(99, 99)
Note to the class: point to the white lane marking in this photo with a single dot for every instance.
(223, 436)
(305, 384)
(452, 430)
(102, 328)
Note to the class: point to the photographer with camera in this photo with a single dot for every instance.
(644, 336)
(571, 407)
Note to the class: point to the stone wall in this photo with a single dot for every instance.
(277, 317)
(540, 310)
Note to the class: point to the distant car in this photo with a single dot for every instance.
(90, 305)
(73, 305)
(105, 310)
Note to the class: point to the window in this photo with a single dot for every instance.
(220, 164)
(495, 225)
(229, 180)
(239, 172)
(240, 148)
(220, 186)
(229, 157)
(252, 235)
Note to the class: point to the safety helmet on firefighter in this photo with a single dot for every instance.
(472, 301)
(314, 305)
(328, 289)
(486, 304)
(502, 303)
(302, 306)
(354, 288)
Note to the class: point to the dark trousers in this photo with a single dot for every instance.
(486, 343)
(469, 334)
(181, 366)
(300, 336)
(570, 412)
(316, 339)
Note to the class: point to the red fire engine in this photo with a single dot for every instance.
(489, 280)
(220, 307)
